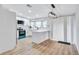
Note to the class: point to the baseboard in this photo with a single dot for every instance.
(3, 53)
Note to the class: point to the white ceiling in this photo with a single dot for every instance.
(41, 10)
(65, 9)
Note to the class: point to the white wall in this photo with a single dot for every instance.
(7, 30)
(76, 28)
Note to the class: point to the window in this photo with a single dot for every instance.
(38, 24)
(44, 24)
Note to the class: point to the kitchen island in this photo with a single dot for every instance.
(40, 35)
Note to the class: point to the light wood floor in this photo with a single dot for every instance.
(48, 47)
